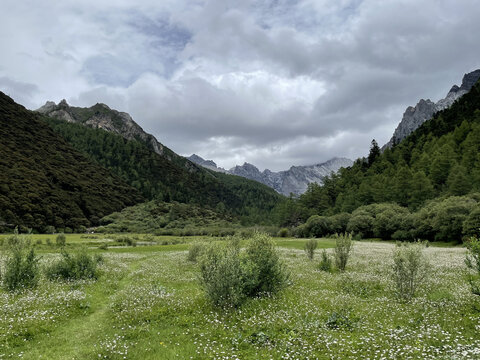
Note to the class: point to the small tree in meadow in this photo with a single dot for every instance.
(310, 247)
(61, 240)
(409, 269)
(343, 248)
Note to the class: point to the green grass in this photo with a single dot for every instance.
(148, 304)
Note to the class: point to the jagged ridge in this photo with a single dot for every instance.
(295, 180)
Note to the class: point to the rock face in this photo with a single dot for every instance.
(425, 109)
(209, 164)
(101, 116)
(295, 180)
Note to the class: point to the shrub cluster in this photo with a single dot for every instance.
(230, 275)
(73, 267)
(442, 219)
(21, 267)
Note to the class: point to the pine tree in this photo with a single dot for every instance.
(374, 152)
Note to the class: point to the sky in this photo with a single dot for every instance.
(274, 83)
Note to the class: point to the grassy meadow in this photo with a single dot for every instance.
(147, 303)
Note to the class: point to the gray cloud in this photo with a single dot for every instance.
(275, 83)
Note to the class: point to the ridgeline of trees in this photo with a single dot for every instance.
(428, 182)
(45, 182)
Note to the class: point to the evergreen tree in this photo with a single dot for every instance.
(374, 152)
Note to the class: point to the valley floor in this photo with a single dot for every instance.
(148, 304)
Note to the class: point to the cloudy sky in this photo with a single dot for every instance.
(274, 83)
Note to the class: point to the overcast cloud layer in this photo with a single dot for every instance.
(274, 83)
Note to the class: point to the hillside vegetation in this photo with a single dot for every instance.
(170, 177)
(46, 182)
(439, 160)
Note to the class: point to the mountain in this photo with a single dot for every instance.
(209, 164)
(295, 180)
(100, 116)
(115, 141)
(415, 116)
(44, 181)
(432, 172)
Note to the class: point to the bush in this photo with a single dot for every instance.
(269, 274)
(310, 247)
(195, 250)
(73, 267)
(472, 261)
(21, 268)
(325, 262)
(318, 226)
(409, 269)
(61, 240)
(229, 276)
(222, 275)
(343, 247)
(283, 232)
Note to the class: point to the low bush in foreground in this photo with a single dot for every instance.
(310, 247)
(409, 269)
(343, 248)
(325, 262)
(73, 267)
(21, 267)
(230, 275)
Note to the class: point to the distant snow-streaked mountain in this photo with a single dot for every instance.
(416, 115)
(295, 180)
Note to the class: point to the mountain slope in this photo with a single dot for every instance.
(44, 181)
(440, 158)
(295, 180)
(425, 109)
(165, 176)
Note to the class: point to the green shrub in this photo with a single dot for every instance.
(61, 240)
(325, 262)
(222, 275)
(343, 248)
(409, 269)
(269, 273)
(38, 242)
(48, 241)
(103, 246)
(73, 267)
(310, 246)
(195, 250)
(229, 275)
(283, 232)
(318, 226)
(21, 267)
(472, 261)
(471, 225)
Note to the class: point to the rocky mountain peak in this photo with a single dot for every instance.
(414, 116)
(295, 180)
(101, 116)
(469, 80)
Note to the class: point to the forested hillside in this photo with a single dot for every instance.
(46, 182)
(440, 159)
(170, 178)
